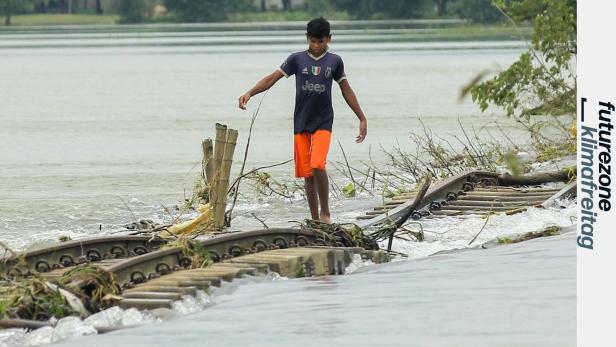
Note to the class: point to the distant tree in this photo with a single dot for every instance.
(99, 7)
(9, 8)
(366, 9)
(543, 79)
(206, 10)
(441, 7)
(287, 6)
(239, 6)
(57, 6)
(318, 7)
(477, 11)
(132, 11)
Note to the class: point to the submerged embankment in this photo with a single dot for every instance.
(512, 295)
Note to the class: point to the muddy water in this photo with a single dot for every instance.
(99, 129)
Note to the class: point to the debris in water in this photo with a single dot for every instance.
(550, 231)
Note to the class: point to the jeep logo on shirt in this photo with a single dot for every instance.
(319, 88)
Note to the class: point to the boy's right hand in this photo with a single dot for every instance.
(244, 100)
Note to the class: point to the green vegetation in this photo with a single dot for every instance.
(300, 271)
(155, 11)
(277, 16)
(473, 32)
(371, 9)
(542, 82)
(549, 231)
(348, 234)
(476, 11)
(206, 10)
(100, 286)
(9, 8)
(63, 19)
(197, 254)
(539, 89)
(349, 190)
(133, 11)
(33, 299)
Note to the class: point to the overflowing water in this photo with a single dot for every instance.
(117, 318)
(100, 128)
(106, 127)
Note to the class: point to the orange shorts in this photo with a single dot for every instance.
(311, 152)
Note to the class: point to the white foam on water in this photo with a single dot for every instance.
(111, 317)
(190, 304)
(133, 316)
(116, 317)
(454, 232)
(71, 327)
(38, 337)
(12, 337)
(356, 263)
(65, 328)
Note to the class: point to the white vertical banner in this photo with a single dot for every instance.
(596, 115)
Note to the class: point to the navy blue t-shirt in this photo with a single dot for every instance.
(313, 89)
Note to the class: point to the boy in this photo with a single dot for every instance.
(314, 70)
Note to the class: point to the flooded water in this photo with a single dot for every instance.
(104, 127)
(499, 296)
(100, 127)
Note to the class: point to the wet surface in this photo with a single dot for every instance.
(94, 137)
(83, 156)
(512, 295)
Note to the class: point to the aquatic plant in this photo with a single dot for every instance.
(33, 298)
(95, 286)
(198, 255)
(549, 231)
(348, 235)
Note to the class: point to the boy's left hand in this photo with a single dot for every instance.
(363, 131)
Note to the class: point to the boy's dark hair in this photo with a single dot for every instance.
(318, 28)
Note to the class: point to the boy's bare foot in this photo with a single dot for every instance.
(325, 219)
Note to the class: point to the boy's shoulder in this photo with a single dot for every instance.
(297, 54)
(337, 56)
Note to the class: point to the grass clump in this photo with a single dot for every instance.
(33, 299)
(279, 16)
(349, 235)
(95, 286)
(198, 255)
(549, 231)
(63, 19)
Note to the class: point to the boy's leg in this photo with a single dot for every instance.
(318, 158)
(302, 143)
(311, 196)
(322, 188)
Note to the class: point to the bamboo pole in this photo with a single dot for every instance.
(219, 150)
(208, 161)
(223, 182)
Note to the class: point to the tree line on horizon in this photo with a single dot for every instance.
(138, 11)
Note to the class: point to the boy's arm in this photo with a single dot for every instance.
(351, 100)
(264, 84)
